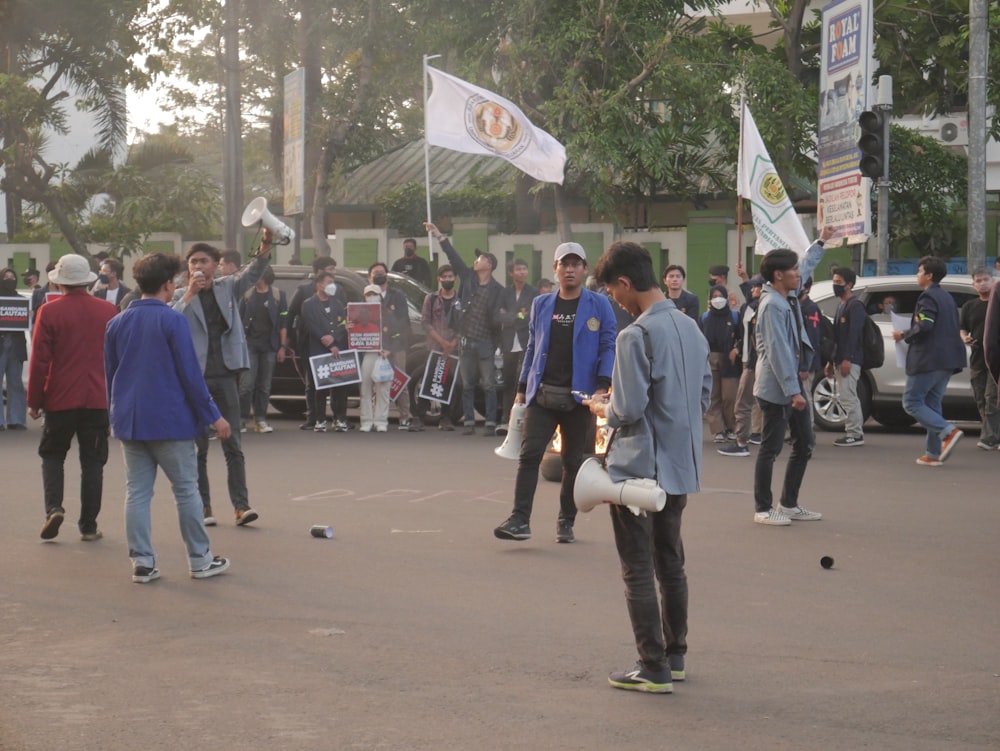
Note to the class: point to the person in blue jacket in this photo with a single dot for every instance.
(935, 353)
(158, 403)
(571, 348)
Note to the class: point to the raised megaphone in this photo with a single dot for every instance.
(593, 487)
(257, 211)
(511, 447)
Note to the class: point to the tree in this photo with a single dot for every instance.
(929, 183)
(53, 51)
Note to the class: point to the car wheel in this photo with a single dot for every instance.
(828, 411)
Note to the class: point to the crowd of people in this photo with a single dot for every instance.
(188, 356)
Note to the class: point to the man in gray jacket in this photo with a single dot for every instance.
(211, 307)
(661, 386)
(783, 347)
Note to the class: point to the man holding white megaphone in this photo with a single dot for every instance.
(660, 389)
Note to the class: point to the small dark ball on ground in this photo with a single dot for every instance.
(826, 561)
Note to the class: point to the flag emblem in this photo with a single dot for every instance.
(495, 127)
(771, 189)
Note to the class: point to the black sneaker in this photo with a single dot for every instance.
(145, 574)
(640, 678)
(445, 424)
(513, 529)
(850, 441)
(564, 531)
(307, 426)
(52, 523)
(416, 426)
(216, 567)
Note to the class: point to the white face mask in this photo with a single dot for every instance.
(373, 298)
(330, 289)
(719, 303)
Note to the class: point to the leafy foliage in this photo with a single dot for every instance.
(491, 197)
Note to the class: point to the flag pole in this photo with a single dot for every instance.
(739, 197)
(427, 159)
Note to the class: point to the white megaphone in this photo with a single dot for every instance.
(511, 447)
(257, 211)
(593, 487)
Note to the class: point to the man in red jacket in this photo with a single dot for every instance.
(66, 381)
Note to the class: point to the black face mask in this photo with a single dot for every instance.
(839, 290)
(380, 279)
(408, 251)
(104, 279)
(448, 285)
(8, 286)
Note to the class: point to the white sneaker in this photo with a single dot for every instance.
(773, 517)
(720, 438)
(320, 427)
(799, 514)
(262, 427)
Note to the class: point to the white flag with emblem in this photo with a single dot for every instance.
(774, 218)
(466, 118)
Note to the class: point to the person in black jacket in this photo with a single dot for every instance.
(935, 353)
(514, 319)
(848, 354)
(413, 265)
(264, 312)
(323, 320)
(746, 413)
(13, 353)
(719, 324)
(479, 300)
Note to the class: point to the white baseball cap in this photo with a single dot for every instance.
(72, 270)
(570, 249)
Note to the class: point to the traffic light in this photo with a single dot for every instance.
(874, 144)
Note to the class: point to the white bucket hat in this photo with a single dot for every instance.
(72, 270)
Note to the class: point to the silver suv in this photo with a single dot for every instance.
(881, 389)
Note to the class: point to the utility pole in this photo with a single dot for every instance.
(978, 60)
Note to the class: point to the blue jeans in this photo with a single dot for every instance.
(10, 371)
(255, 385)
(778, 417)
(922, 401)
(224, 392)
(476, 364)
(179, 462)
(651, 551)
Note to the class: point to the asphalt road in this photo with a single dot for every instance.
(413, 628)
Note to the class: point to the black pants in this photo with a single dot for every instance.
(651, 551)
(338, 402)
(225, 392)
(778, 417)
(539, 425)
(90, 426)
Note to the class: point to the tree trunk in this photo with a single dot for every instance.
(232, 153)
(341, 127)
(529, 220)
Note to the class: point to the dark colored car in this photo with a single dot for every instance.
(288, 383)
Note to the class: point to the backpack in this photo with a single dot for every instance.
(872, 345)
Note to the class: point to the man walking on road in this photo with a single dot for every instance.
(211, 307)
(661, 386)
(571, 347)
(159, 403)
(66, 381)
(935, 353)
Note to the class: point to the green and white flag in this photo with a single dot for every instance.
(774, 218)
